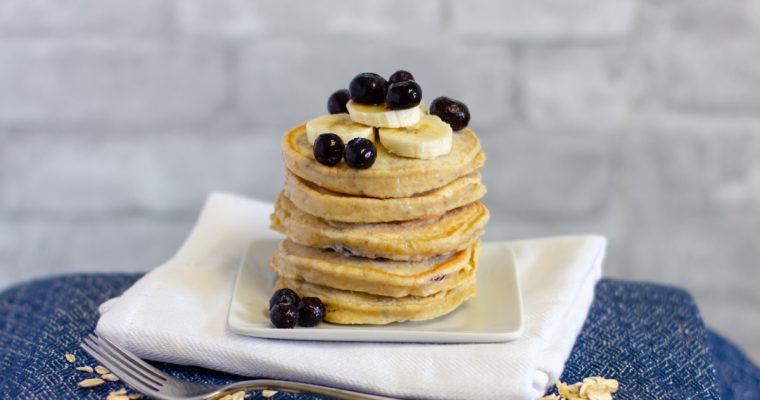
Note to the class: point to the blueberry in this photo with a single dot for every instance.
(404, 95)
(336, 103)
(368, 88)
(360, 153)
(284, 315)
(400, 76)
(311, 311)
(328, 149)
(284, 296)
(452, 112)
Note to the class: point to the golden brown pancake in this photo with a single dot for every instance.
(334, 206)
(413, 240)
(375, 276)
(345, 307)
(390, 175)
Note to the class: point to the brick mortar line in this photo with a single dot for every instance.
(111, 217)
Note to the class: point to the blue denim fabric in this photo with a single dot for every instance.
(649, 337)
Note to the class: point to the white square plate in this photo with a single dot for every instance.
(495, 314)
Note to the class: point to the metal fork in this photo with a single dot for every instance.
(153, 382)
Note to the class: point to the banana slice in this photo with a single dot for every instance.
(383, 117)
(428, 139)
(423, 108)
(339, 124)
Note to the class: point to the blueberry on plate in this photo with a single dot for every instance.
(453, 112)
(360, 153)
(336, 103)
(284, 296)
(284, 315)
(311, 311)
(368, 88)
(403, 95)
(400, 76)
(328, 149)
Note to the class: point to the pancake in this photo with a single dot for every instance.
(345, 307)
(334, 206)
(391, 175)
(381, 277)
(413, 240)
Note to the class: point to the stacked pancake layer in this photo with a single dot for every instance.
(395, 242)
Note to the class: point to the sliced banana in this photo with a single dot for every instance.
(339, 124)
(428, 139)
(383, 117)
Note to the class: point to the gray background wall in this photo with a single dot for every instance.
(635, 119)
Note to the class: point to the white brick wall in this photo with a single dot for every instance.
(240, 18)
(637, 119)
(118, 83)
(543, 20)
(295, 77)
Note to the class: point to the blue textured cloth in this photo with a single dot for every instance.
(649, 337)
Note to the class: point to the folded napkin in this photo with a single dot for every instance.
(177, 313)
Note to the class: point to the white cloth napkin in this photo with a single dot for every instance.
(177, 313)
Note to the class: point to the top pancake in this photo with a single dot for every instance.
(391, 175)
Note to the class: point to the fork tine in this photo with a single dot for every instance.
(117, 358)
(126, 354)
(123, 366)
(125, 375)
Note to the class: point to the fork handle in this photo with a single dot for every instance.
(297, 387)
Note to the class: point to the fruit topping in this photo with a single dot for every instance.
(368, 88)
(284, 296)
(400, 76)
(403, 95)
(336, 103)
(428, 139)
(328, 149)
(453, 112)
(311, 311)
(339, 124)
(360, 153)
(382, 117)
(284, 315)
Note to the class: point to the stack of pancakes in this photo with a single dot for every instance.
(395, 242)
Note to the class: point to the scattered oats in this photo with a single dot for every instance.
(109, 377)
(240, 395)
(135, 396)
(102, 370)
(592, 388)
(120, 394)
(569, 392)
(92, 382)
(70, 358)
(268, 393)
(603, 395)
(84, 369)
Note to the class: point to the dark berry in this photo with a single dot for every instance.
(404, 95)
(368, 88)
(336, 103)
(360, 153)
(284, 296)
(400, 76)
(328, 149)
(453, 112)
(284, 315)
(311, 311)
